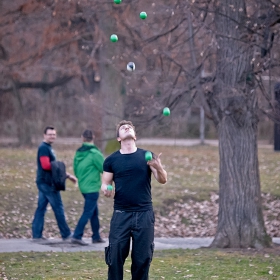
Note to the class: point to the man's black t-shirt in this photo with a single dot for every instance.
(132, 178)
(44, 176)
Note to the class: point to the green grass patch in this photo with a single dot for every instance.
(169, 264)
(192, 174)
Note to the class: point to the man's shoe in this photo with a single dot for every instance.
(68, 238)
(39, 240)
(78, 241)
(100, 240)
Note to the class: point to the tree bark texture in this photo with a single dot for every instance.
(24, 133)
(110, 90)
(234, 107)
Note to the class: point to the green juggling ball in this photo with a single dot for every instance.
(109, 187)
(166, 111)
(148, 156)
(114, 38)
(117, 1)
(143, 15)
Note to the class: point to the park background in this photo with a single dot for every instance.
(59, 67)
(214, 64)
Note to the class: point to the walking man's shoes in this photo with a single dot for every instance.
(100, 240)
(40, 240)
(68, 238)
(78, 242)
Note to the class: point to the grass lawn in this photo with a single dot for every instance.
(192, 176)
(170, 264)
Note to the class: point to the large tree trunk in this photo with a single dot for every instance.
(110, 89)
(234, 107)
(240, 220)
(23, 129)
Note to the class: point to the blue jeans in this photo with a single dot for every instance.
(90, 213)
(48, 195)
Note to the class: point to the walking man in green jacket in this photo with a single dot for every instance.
(88, 167)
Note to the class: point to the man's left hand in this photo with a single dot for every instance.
(155, 161)
(72, 178)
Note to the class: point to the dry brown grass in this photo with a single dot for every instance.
(192, 180)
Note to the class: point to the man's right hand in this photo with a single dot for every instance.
(106, 192)
(107, 179)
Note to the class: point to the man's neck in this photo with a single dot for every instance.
(88, 142)
(128, 146)
(47, 142)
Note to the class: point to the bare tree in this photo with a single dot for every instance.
(233, 45)
(56, 52)
(234, 106)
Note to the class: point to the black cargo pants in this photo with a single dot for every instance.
(138, 226)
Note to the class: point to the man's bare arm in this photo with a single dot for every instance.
(107, 179)
(157, 169)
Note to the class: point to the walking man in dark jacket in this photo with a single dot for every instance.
(88, 167)
(47, 191)
(133, 216)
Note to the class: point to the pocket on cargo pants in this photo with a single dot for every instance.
(152, 251)
(108, 255)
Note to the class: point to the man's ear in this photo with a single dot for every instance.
(119, 139)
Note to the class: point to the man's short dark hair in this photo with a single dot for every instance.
(47, 128)
(88, 135)
(123, 122)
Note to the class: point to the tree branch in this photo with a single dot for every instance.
(42, 85)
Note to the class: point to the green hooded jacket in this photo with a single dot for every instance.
(88, 167)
